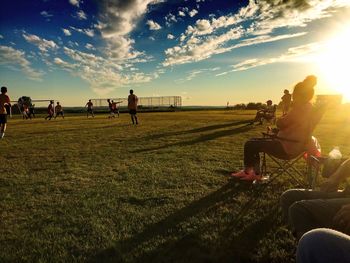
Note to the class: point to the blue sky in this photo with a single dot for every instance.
(207, 51)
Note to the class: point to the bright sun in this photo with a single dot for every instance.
(334, 63)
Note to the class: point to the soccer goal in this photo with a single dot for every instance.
(143, 102)
(28, 105)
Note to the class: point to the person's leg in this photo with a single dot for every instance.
(306, 215)
(323, 245)
(136, 118)
(132, 118)
(289, 197)
(254, 147)
(2, 130)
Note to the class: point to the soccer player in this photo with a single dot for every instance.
(4, 101)
(132, 106)
(115, 107)
(89, 106)
(50, 111)
(110, 106)
(59, 110)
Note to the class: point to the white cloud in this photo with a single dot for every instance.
(1, 36)
(89, 46)
(117, 19)
(153, 25)
(10, 56)
(169, 19)
(43, 44)
(75, 2)
(291, 55)
(212, 36)
(193, 13)
(81, 15)
(103, 74)
(66, 32)
(46, 14)
(182, 13)
(86, 31)
(170, 36)
(152, 38)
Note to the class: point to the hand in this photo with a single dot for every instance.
(330, 185)
(342, 219)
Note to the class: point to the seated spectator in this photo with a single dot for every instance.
(293, 137)
(329, 207)
(324, 245)
(266, 113)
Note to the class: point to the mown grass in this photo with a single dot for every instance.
(101, 190)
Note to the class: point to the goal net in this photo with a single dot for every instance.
(143, 102)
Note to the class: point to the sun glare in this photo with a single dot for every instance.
(334, 63)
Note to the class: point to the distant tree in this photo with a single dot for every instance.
(254, 105)
(240, 106)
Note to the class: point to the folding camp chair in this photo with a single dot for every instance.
(280, 165)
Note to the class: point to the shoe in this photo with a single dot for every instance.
(2, 134)
(251, 176)
(239, 174)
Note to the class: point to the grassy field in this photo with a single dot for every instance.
(102, 190)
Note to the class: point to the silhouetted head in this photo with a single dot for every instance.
(310, 80)
(108, 100)
(89, 100)
(286, 91)
(303, 92)
(3, 89)
(131, 91)
(112, 100)
(58, 103)
(51, 101)
(269, 102)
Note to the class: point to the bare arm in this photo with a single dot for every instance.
(332, 183)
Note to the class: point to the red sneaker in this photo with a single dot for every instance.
(251, 176)
(239, 174)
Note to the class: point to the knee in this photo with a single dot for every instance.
(312, 244)
(289, 197)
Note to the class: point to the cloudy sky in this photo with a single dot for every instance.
(207, 51)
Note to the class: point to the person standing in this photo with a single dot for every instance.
(59, 110)
(50, 111)
(132, 106)
(89, 106)
(4, 101)
(286, 101)
(110, 107)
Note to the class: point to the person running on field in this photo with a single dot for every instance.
(89, 106)
(4, 101)
(286, 101)
(50, 111)
(132, 106)
(110, 107)
(59, 110)
(26, 111)
(31, 111)
(115, 107)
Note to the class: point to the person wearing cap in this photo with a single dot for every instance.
(4, 101)
(293, 135)
(264, 113)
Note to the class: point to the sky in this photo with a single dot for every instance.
(210, 52)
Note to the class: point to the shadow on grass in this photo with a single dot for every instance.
(201, 129)
(190, 245)
(203, 138)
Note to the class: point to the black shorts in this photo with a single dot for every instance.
(60, 113)
(133, 112)
(90, 111)
(3, 118)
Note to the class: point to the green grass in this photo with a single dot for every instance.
(101, 190)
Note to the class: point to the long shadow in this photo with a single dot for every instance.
(201, 129)
(128, 246)
(191, 248)
(203, 138)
